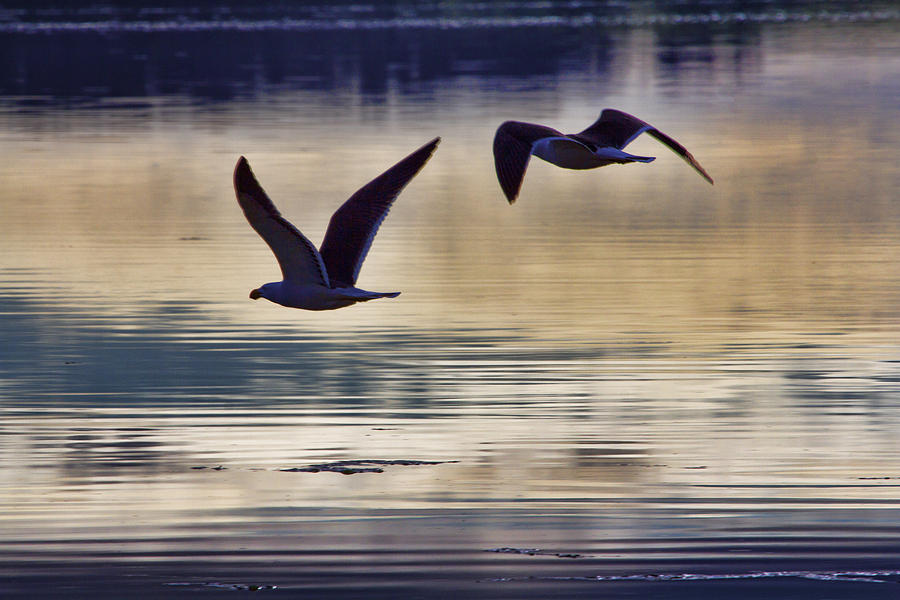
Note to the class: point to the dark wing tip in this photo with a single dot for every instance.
(512, 194)
(392, 181)
(244, 180)
(427, 150)
(248, 189)
(699, 168)
(396, 177)
(681, 151)
(693, 162)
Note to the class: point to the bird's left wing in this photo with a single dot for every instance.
(354, 225)
(297, 256)
(513, 144)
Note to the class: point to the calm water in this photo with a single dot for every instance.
(634, 385)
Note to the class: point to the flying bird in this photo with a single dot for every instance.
(599, 145)
(325, 279)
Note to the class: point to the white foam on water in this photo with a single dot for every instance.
(854, 576)
(186, 24)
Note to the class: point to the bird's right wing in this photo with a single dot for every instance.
(513, 144)
(354, 225)
(617, 129)
(297, 256)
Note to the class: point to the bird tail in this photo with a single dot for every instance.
(622, 157)
(365, 295)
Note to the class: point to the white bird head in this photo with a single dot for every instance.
(269, 291)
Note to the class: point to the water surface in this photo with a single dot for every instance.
(633, 384)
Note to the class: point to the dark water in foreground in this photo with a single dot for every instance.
(628, 385)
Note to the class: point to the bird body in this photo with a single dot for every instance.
(569, 153)
(325, 279)
(599, 145)
(314, 296)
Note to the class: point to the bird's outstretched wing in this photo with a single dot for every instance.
(513, 144)
(617, 129)
(354, 225)
(297, 256)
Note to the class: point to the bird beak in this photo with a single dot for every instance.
(255, 294)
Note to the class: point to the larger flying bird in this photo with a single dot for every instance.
(599, 145)
(325, 279)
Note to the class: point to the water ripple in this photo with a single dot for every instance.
(428, 22)
(857, 576)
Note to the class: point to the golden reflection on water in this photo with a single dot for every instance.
(789, 230)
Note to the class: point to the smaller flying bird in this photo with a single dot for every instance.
(325, 279)
(599, 145)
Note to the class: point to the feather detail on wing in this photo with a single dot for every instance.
(513, 144)
(617, 129)
(297, 256)
(354, 225)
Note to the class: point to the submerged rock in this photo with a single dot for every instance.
(351, 467)
(534, 552)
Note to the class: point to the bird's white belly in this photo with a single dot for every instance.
(567, 153)
(312, 297)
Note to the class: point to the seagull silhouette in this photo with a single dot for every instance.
(599, 145)
(325, 279)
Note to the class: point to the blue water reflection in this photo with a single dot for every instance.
(223, 59)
